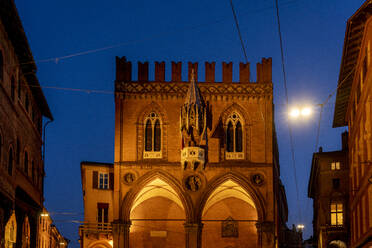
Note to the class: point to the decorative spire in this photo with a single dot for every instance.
(193, 127)
(193, 95)
(193, 115)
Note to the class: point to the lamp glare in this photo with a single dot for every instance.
(294, 113)
(306, 111)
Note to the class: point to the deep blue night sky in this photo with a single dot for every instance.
(198, 31)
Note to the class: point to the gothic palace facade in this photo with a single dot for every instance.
(196, 164)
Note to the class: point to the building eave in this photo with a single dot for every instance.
(310, 192)
(350, 55)
(13, 26)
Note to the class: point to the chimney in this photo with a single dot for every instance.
(195, 67)
(143, 71)
(160, 71)
(176, 71)
(226, 72)
(209, 71)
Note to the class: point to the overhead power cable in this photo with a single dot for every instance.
(287, 104)
(325, 102)
(158, 35)
(237, 27)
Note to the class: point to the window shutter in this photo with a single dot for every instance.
(111, 180)
(95, 179)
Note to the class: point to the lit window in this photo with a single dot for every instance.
(152, 136)
(337, 214)
(103, 180)
(234, 137)
(335, 166)
(102, 215)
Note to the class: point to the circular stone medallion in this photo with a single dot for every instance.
(129, 178)
(193, 183)
(257, 179)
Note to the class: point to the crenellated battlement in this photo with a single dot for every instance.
(124, 71)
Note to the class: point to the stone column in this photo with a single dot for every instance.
(266, 231)
(193, 232)
(120, 231)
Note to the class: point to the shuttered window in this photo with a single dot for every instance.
(102, 212)
(95, 179)
(103, 180)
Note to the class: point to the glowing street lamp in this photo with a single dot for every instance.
(297, 112)
(300, 227)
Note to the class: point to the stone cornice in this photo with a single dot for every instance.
(179, 89)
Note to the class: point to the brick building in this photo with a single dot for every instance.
(22, 107)
(354, 109)
(329, 189)
(196, 164)
(48, 234)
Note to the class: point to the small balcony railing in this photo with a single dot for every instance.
(335, 228)
(95, 227)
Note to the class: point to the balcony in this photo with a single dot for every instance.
(334, 228)
(95, 228)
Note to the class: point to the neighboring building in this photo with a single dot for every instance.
(292, 238)
(329, 189)
(48, 234)
(354, 109)
(22, 107)
(195, 165)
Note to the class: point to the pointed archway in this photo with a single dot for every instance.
(157, 216)
(229, 217)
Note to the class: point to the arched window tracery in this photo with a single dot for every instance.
(234, 137)
(153, 138)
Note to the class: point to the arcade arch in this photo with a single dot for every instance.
(157, 216)
(229, 216)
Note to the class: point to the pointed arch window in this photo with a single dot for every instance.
(234, 137)
(153, 138)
